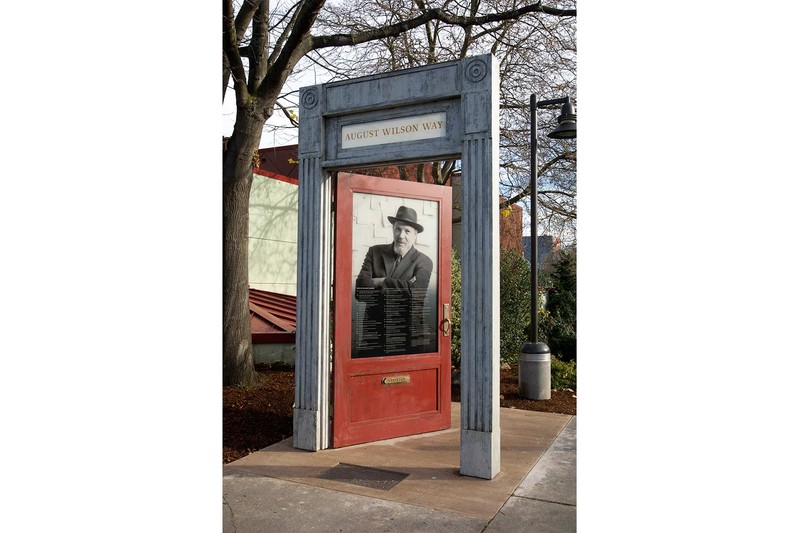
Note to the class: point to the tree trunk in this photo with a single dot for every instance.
(237, 171)
(226, 76)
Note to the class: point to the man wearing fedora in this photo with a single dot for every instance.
(392, 283)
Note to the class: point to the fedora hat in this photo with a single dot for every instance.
(406, 215)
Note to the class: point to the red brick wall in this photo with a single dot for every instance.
(511, 229)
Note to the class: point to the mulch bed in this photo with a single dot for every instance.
(256, 417)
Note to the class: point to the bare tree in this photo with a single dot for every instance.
(536, 54)
(261, 48)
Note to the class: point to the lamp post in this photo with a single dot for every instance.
(534, 362)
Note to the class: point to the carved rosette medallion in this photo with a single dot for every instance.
(310, 98)
(476, 70)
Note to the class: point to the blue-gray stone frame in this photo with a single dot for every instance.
(467, 91)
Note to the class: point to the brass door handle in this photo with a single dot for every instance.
(447, 324)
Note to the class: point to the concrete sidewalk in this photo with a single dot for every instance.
(410, 484)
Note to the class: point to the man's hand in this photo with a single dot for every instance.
(378, 282)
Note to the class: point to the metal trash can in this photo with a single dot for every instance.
(534, 371)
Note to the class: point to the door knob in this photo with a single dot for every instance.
(447, 324)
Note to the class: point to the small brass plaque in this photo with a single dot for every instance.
(396, 379)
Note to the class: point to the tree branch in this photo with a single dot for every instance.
(292, 118)
(554, 191)
(527, 190)
(503, 25)
(393, 30)
(559, 210)
(236, 32)
(473, 10)
(230, 47)
(244, 17)
(297, 44)
(284, 34)
(290, 10)
(259, 44)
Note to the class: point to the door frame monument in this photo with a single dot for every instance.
(441, 111)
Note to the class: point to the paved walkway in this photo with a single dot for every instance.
(410, 484)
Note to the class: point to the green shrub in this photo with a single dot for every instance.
(455, 309)
(563, 374)
(515, 304)
(558, 321)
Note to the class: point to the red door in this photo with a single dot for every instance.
(392, 300)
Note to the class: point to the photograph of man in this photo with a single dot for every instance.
(392, 284)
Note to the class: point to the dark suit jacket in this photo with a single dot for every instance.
(395, 312)
(414, 270)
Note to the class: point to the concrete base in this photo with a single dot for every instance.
(305, 430)
(480, 453)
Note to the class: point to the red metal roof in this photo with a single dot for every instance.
(273, 316)
(280, 159)
(275, 176)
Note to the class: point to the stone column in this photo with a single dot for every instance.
(480, 317)
(312, 357)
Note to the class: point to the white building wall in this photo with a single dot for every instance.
(272, 236)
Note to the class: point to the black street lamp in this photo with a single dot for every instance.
(567, 129)
(533, 382)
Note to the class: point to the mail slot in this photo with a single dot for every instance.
(394, 380)
(394, 395)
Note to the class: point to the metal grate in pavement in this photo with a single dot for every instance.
(364, 476)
